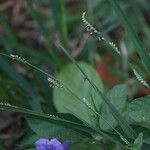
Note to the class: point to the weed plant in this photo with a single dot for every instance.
(83, 112)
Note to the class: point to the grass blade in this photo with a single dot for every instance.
(58, 8)
(24, 84)
(139, 47)
(19, 48)
(42, 29)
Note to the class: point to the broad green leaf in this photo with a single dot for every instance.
(49, 130)
(137, 145)
(117, 96)
(75, 81)
(121, 121)
(139, 110)
(85, 144)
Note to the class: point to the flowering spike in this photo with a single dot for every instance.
(113, 45)
(18, 58)
(140, 79)
(90, 28)
(93, 30)
(5, 104)
(54, 83)
(53, 116)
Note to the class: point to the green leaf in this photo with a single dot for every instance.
(74, 80)
(49, 130)
(48, 117)
(139, 110)
(24, 84)
(20, 49)
(43, 30)
(117, 96)
(121, 121)
(62, 122)
(59, 16)
(28, 141)
(85, 146)
(47, 91)
(139, 47)
(137, 145)
(146, 133)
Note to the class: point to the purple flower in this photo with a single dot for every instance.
(53, 144)
(67, 145)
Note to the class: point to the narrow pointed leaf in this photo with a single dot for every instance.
(139, 47)
(24, 84)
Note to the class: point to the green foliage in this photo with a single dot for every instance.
(78, 91)
(48, 130)
(62, 121)
(59, 16)
(123, 123)
(85, 144)
(75, 81)
(117, 96)
(42, 29)
(28, 141)
(137, 145)
(24, 84)
(11, 40)
(140, 49)
(48, 117)
(139, 110)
